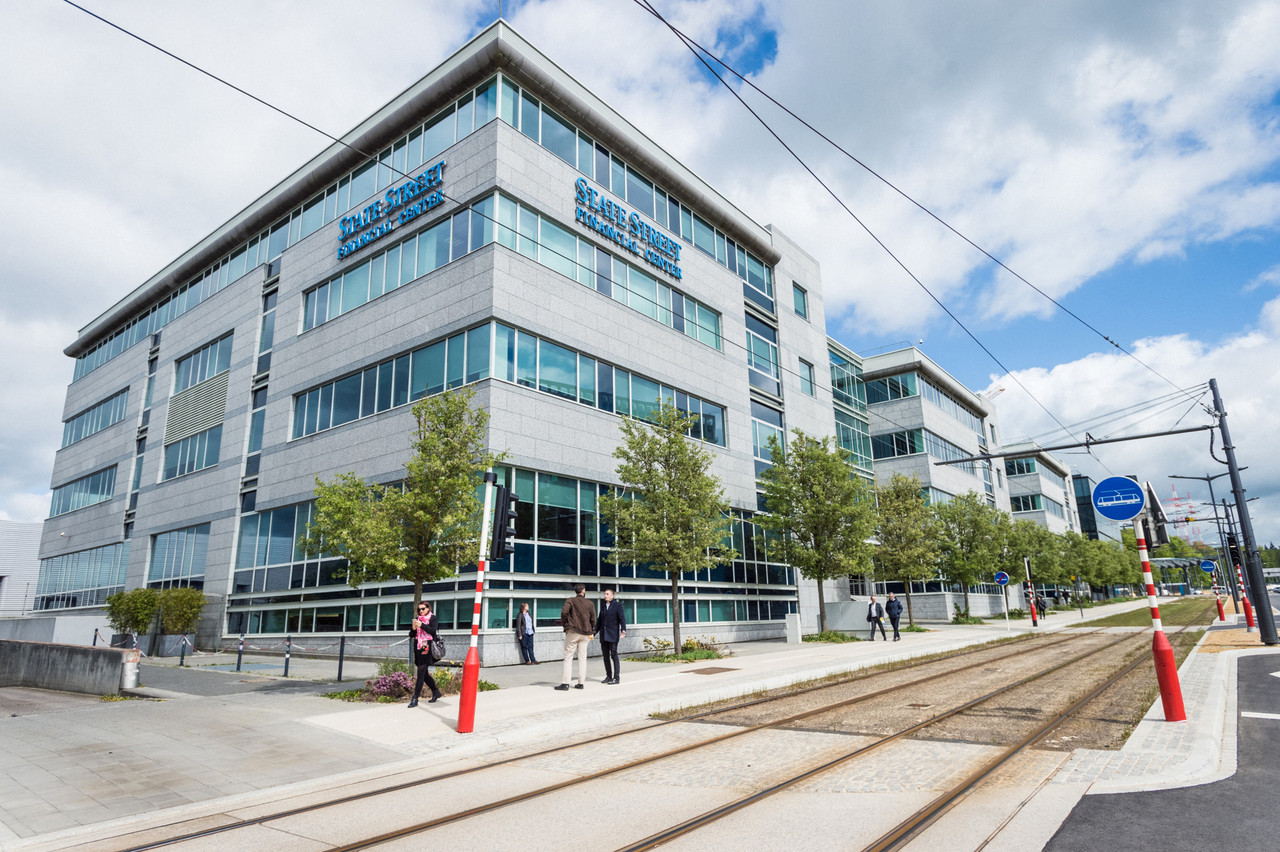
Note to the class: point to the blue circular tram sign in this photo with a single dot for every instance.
(1002, 579)
(1118, 498)
(1208, 566)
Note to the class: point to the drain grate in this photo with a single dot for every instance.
(919, 706)
(709, 670)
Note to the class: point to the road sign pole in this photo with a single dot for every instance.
(471, 666)
(1161, 650)
(1031, 591)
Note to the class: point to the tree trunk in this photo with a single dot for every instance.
(822, 610)
(911, 619)
(966, 600)
(675, 610)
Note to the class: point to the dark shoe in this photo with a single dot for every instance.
(413, 702)
(613, 680)
(564, 687)
(607, 680)
(436, 697)
(577, 686)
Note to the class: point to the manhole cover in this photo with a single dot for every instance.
(709, 670)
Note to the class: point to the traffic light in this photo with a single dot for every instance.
(504, 525)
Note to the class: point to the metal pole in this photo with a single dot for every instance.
(95, 637)
(1237, 591)
(342, 652)
(288, 648)
(1252, 559)
(1031, 591)
(240, 653)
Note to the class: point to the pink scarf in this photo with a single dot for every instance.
(423, 636)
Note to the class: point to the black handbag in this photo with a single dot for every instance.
(435, 650)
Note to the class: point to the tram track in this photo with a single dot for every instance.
(1017, 647)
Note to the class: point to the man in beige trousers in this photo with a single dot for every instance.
(578, 617)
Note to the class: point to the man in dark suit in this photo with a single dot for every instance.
(875, 617)
(611, 626)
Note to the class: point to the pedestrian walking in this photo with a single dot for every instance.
(524, 635)
(893, 609)
(611, 624)
(875, 617)
(422, 630)
(578, 617)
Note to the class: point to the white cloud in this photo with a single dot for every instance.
(1098, 384)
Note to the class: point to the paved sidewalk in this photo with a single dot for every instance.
(92, 766)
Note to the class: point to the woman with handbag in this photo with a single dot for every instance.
(423, 630)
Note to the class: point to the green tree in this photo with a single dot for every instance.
(905, 528)
(672, 516)
(970, 540)
(1027, 539)
(132, 611)
(821, 512)
(423, 528)
(180, 609)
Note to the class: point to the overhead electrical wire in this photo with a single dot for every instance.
(894, 257)
(692, 44)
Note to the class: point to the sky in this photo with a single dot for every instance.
(1122, 157)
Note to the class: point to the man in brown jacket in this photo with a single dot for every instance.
(578, 617)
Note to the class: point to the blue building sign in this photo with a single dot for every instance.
(1118, 498)
(412, 198)
(629, 231)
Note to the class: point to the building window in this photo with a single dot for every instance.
(84, 578)
(806, 377)
(178, 557)
(204, 363)
(762, 355)
(890, 388)
(800, 299)
(1025, 503)
(86, 491)
(766, 422)
(1018, 467)
(106, 413)
(197, 452)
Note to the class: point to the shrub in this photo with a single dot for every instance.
(657, 646)
(132, 611)
(180, 609)
(962, 616)
(389, 687)
(391, 665)
(831, 636)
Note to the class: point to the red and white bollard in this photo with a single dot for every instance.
(1248, 609)
(1161, 650)
(471, 666)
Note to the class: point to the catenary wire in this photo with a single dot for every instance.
(897, 260)
(647, 6)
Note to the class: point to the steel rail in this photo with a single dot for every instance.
(405, 785)
(716, 814)
(417, 828)
(911, 827)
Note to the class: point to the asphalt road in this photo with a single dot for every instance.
(193, 681)
(1238, 813)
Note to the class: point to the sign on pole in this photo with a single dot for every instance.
(1002, 580)
(1118, 498)
(1208, 566)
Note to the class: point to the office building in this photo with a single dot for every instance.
(495, 226)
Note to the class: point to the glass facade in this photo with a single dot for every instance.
(84, 578)
(178, 558)
(106, 413)
(1019, 467)
(198, 452)
(86, 491)
(205, 363)
(517, 356)
(561, 540)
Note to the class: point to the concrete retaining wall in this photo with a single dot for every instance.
(64, 629)
(69, 668)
